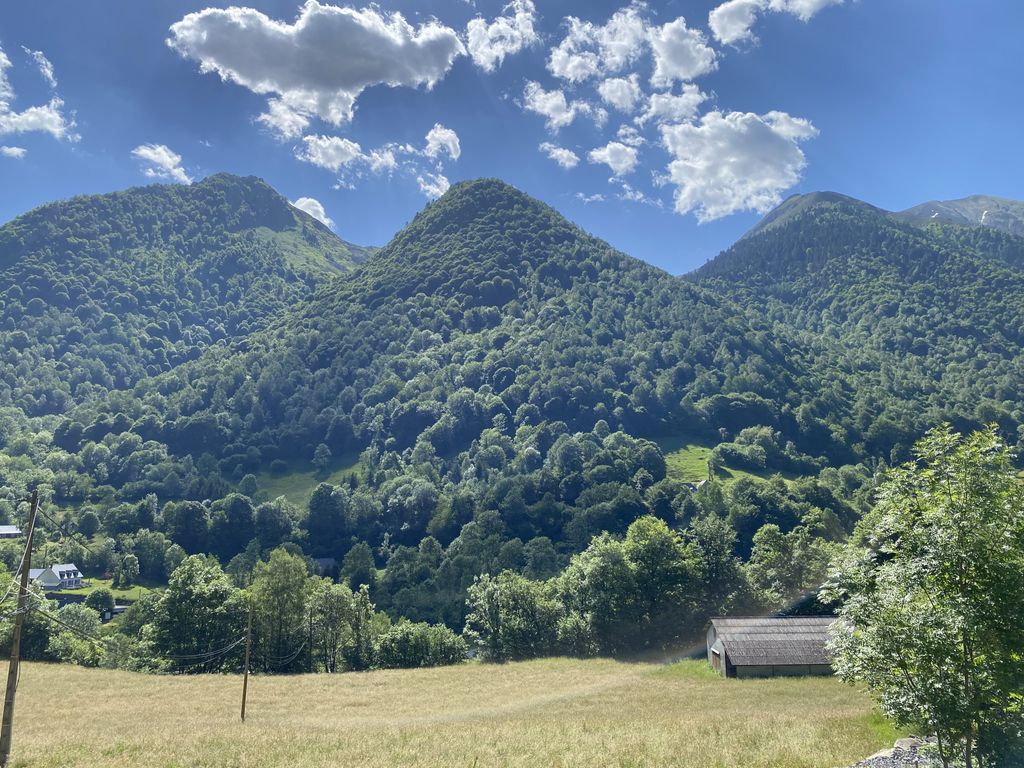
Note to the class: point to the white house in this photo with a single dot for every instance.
(9, 531)
(62, 576)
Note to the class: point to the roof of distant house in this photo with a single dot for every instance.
(775, 641)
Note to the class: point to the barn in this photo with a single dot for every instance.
(769, 647)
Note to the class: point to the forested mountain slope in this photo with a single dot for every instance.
(489, 309)
(98, 292)
(910, 325)
(503, 377)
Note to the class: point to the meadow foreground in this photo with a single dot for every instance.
(554, 712)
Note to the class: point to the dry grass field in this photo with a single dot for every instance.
(545, 713)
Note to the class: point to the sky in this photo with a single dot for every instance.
(666, 127)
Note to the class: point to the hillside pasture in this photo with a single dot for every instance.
(301, 478)
(554, 712)
(686, 460)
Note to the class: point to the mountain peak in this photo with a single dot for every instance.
(976, 210)
(796, 205)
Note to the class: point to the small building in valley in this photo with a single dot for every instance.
(9, 532)
(62, 576)
(770, 647)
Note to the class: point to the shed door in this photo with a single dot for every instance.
(716, 660)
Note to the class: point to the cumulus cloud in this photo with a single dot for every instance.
(733, 21)
(16, 152)
(558, 110)
(351, 162)
(433, 184)
(589, 50)
(680, 53)
(564, 157)
(623, 93)
(619, 157)
(630, 136)
(330, 152)
(319, 65)
(802, 9)
(161, 162)
(597, 197)
(441, 139)
(489, 44)
(673, 108)
(45, 67)
(46, 118)
(737, 161)
(314, 208)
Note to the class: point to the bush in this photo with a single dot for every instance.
(419, 645)
(100, 599)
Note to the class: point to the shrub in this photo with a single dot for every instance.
(419, 645)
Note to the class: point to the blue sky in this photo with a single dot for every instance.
(683, 121)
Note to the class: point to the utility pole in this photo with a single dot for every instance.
(245, 671)
(7, 724)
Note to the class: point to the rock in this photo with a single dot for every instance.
(909, 743)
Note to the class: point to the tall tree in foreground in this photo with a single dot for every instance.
(933, 598)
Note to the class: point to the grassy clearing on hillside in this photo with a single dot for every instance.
(301, 479)
(554, 712)
(686, 459)
(132, 593)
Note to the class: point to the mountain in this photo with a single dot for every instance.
(795, 206)
(977, 210)
(491, 390)
(909, 325)
(488, 306)
(98, 292)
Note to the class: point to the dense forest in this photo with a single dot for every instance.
(504, 386)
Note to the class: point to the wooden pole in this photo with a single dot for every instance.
(248, 648)
(7, 725)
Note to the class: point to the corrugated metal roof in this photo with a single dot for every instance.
(775, 641)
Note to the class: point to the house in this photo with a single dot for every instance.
(770, 647)
(326, 566)
(9, 532)
(62, 576)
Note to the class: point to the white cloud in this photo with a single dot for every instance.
(737, 161)
(680, 53)
(733, 21)
(433, 184)
(47, 118)
(630, 136)
(45, 67)
(623, 93)
(802, 9)
(619, 157)
(597, 197)
(314, 208)
(673, 108)
(552, 104)
(489, 44)
(330, 152)
(564, 157)
(634, 195)
(16, 152)
(381, 160)
(589, 50)
(319, 65)
(441, 139)
(161, 162)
